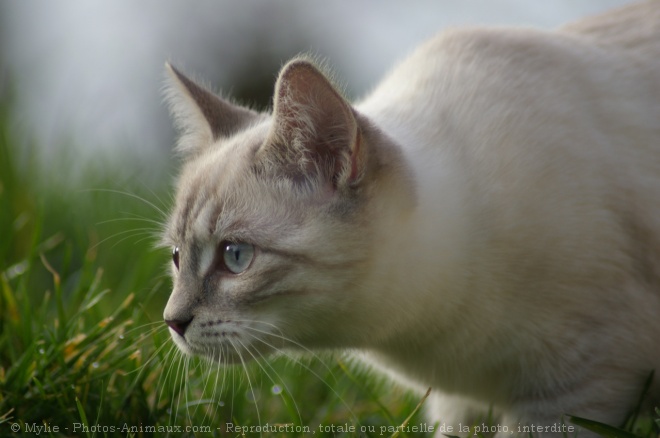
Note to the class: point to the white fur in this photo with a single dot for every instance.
(530, 150)
(505, 249)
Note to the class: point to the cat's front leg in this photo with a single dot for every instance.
(453, 413)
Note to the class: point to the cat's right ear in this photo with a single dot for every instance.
(202, 116)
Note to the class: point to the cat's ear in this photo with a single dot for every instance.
(202, 116)
(315, 130)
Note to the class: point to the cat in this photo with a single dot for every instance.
(486, 222)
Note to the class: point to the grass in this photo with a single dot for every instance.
(84, 351)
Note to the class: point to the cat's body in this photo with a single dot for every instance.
(486, 223)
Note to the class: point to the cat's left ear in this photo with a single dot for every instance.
(315, 131)
(202, 116)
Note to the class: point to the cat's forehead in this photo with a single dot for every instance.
(225, 160)
(219, 192)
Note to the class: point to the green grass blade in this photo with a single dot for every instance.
(412, 414)
(630, 423)
(602, 429)
(81, 412)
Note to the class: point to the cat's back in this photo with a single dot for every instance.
(515, 103)
(634, 28)
(613, 58)
(555, 134)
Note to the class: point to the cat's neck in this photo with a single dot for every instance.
(422, 231)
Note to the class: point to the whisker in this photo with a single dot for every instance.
(153, 355)
(197, 369)
(131, 219)
(258, 361)
(217, 375)
(178, 382)
(131, 233)
(171, 361)
(250, 385)
(291, 341)
(186, 389)
(131, 195)
(160, 325)
(165, 206)
(206, 384)
(309, 369)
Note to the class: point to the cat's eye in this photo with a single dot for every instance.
(237, 256)
(175, 256)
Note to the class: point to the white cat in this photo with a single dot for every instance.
(485, 223)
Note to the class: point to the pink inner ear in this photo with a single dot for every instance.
(355, 153)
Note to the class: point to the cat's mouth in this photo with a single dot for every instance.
(227, 345)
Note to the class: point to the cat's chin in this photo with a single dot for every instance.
(182, 344)
(221, 353)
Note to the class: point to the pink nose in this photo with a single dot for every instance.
(179, 325)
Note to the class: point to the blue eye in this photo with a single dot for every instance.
(237, 256)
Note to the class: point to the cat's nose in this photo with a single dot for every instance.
(179, 325)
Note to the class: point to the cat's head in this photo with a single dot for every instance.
(272, 232)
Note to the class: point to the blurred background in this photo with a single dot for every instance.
(85, 183)
(88, 75)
